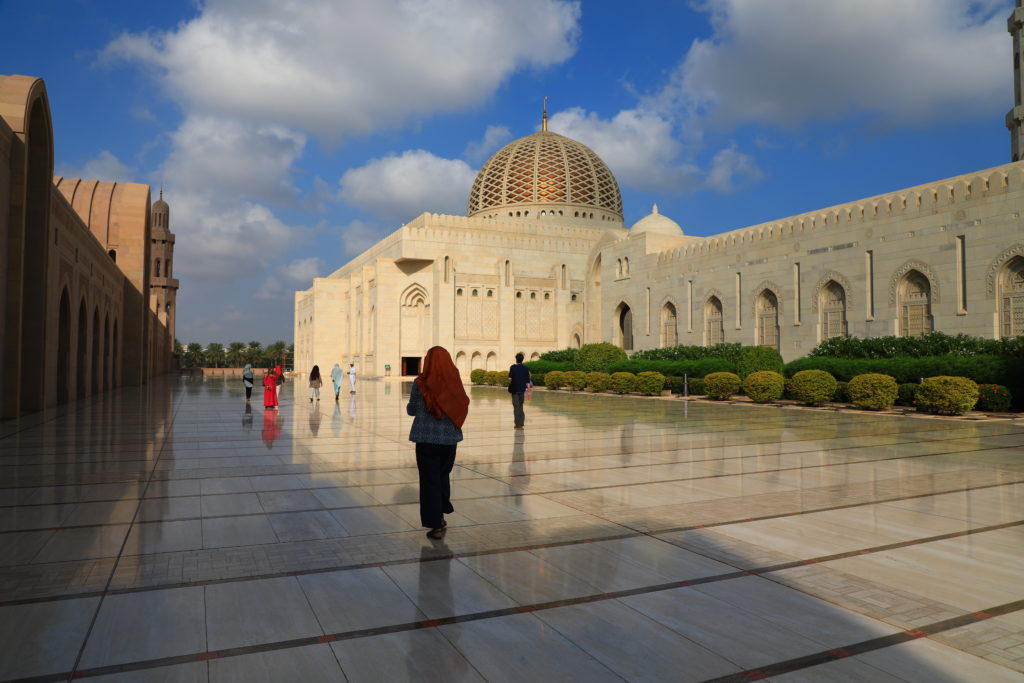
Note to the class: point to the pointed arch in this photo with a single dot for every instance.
(830, 300)
(1011, 297)
(915, 304)
(714, 321)
(768, 319)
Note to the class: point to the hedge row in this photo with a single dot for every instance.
(648, 383)
(932, 344)
(987, 369)
(693, 368)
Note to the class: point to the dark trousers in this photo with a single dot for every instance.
(435, 463)
(517, 408)
(248, 393)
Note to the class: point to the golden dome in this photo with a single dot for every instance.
(546, 174)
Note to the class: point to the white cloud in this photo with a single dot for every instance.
(789, 61)
(104, 166)
(221, 240)
(401, 187)
(494, 137)
(217, 156)
(639, 147)
(283, 282)
(731, 168)
(358, 236)
(342, 67)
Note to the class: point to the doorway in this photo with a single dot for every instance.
(410, 365)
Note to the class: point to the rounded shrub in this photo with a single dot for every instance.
(554, 379)
(758, 358)
(946, 395)
(492, 377)
(650, 383)
(841, 395)
(478, 376)
(598, 357)
(622, 382)
(812, 387)
(597, 381)
(721, 385)
(905, 393)
(872, 391)
(575, 380)
(993, 398)
(763, 386)
(503, 380)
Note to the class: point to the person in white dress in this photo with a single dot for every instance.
(352, 378)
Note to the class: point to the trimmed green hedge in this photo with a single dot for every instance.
(813, 387)
(678, 368)
(946, 395)
(575, 380)
(650, 383)
(540, 368)
(728, 352)
(554, 379)
(982, 369)
(478, 376)
(872, 391)
(598, 357)
(563, 356)
(721, 385)
(758, 358)
(622, 383)
(763, 386)
(598, 381)
(932, 344)
(993, 398)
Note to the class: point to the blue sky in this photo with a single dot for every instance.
(291, 134)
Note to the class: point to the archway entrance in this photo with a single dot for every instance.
(411, 365)
(625, 330)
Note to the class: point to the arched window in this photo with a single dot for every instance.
(625, 267)
(458, 292)
(519, 295)
(508, 273)
(565, 281)
(669, 326)
(113, 255)
(474, 293)
(714, 322)
(1011, 294)
(768, 319)
(573, 297)
(618, 268)
(915, 305)
(533, 295)
(546, 296)
(490, 292)
(832, 303)
(447, 268)
(576, 341)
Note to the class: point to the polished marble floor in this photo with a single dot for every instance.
(172, 534)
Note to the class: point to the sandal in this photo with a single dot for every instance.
(436, 534)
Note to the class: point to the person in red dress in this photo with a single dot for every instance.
(270, 390)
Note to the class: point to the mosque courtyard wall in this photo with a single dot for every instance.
(958, 237)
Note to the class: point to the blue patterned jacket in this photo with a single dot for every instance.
(425, 427)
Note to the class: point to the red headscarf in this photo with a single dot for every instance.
(441, 386)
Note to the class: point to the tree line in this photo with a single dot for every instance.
(234, 355)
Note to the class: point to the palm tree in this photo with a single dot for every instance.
(254, 354)
(194, 355)
(215, 354)
(236, 354)
(275, 352)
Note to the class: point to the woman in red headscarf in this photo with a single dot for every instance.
(439, 405)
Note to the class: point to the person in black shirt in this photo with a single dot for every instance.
(519, 380)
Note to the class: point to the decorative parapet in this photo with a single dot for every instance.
(958, 191)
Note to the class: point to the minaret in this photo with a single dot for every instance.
(1015, 117)
(163, 287)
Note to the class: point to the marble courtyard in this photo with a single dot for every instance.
(164, 533)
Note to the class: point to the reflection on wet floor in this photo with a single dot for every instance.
(204, 538)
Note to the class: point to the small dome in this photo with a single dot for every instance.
(160, 205)
(657, 224)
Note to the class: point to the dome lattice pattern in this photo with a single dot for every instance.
(545, 168)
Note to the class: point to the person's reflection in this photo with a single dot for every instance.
(519, 468)
(626, 444)
(247, 418)
(314, 419)
(435, 592)
(336, 419)
(271, 428)
(387, 389)
(352, 407)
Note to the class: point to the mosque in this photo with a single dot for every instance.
(543, 261)
(87, 296)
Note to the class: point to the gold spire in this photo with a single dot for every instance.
(544, 116)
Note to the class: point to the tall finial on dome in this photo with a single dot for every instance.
(161, 190)
(654, 209)
(544, 116)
